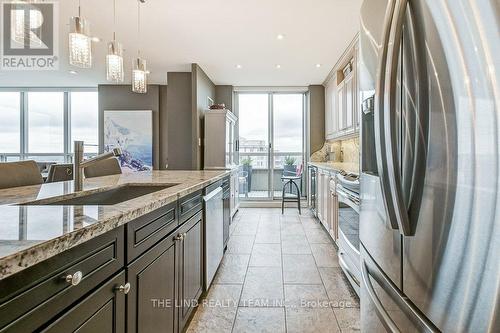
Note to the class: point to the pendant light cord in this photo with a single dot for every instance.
(114, 20)
(79, 11)
(139, 27)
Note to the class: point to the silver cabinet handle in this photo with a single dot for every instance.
(123, 288)
(75, 278)
(389, 324)
(179, 237)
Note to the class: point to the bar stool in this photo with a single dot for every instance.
(22, 173)
(110, 166)
(60, 173)
(290, 182)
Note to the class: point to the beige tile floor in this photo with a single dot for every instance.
(280, 273)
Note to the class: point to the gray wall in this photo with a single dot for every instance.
(224, 94)
(202, 89)
(178, 122)
(121, 97)
(316, 117)
(163, 125)
(178, 114)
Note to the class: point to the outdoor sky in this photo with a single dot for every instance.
(288, 110)
(46, 121)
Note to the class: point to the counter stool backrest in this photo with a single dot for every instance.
(21, 173)
(60, 173)
(110, 166)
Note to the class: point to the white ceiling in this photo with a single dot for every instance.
(216, 34)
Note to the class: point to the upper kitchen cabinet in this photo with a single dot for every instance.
(220, 149)
(341, 96)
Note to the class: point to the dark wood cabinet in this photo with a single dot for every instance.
(102, 311)
(36, 295)
(190, 267)
(153, 280)
(166, 281)
(157, 259)
(147, 230)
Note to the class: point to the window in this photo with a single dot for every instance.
(45, 122)
(41, 125)
(10, 122)
(84, 120)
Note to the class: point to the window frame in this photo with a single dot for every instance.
(24, 131)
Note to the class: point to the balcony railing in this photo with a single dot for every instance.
(255, 183)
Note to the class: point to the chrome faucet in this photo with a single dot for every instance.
(79, 163)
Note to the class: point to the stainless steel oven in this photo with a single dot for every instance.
(348, 230)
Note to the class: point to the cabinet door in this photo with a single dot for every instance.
(102, 311)
(340, 111)
(236, 193)
(349, 102)
(190, 267)
(226, 213)
(326, 183)
(151, 301)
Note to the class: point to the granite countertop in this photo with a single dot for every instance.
(337, 166)
(30, 234)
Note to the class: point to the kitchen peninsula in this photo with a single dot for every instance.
(67, 265)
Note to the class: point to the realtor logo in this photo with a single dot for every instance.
(29, 36)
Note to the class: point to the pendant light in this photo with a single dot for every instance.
(80, 42)
(139, 71)
(114, 58)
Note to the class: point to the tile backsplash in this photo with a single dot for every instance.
(338, 151)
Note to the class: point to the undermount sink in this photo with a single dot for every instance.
(107, 197)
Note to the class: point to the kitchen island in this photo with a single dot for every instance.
(103, 266)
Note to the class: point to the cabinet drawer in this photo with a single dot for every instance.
(189, 205)
(149, 229)
(32, 297)
(101, 311)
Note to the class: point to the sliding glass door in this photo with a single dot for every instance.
(271, 142)
(288, 142)
(253, 144)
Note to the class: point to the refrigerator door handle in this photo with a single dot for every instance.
(406, 306)
(394, 176)
(380, 145)
(382, 313)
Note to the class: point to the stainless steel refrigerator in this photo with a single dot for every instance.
(430, 180)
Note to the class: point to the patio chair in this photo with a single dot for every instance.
(243, 182)
(289, 179)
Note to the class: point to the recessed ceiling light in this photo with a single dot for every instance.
(278, 66)
(73, 72)
(280, 36)
(238, 66)
(318, 65)
(95, 39)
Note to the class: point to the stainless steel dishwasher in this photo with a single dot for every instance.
(213, 231)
